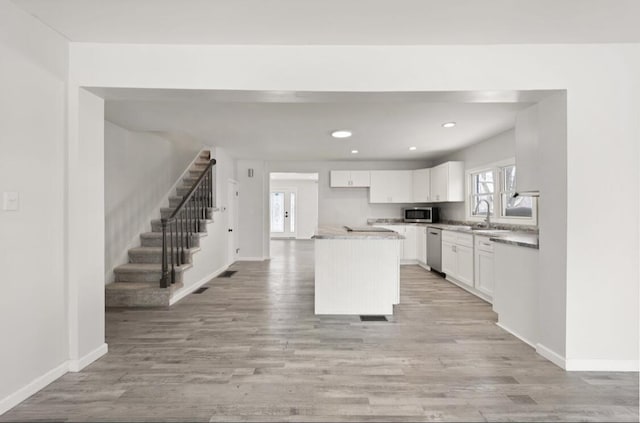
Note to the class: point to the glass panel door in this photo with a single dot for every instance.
(283, 213)
(292, 212)
(277, 212)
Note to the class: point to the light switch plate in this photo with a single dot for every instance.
(11, 201)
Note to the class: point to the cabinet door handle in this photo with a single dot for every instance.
(453, 248)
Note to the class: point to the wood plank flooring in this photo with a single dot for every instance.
(250, 349)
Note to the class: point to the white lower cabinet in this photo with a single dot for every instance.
(484, 266)
(409, 244)
(457, 256)
(449, 258)
(421, 245)
(465, 264)
(413, 247)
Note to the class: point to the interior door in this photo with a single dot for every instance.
(283, 213)
(232, 232)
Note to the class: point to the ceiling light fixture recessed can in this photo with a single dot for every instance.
(341, 134)
(354, 151)
(448, 124)
(413, 148)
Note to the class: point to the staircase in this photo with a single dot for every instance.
(138, 283)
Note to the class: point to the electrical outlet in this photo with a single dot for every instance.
(10, 201)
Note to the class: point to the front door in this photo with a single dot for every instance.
(283, 213)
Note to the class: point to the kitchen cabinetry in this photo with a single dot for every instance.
(409, 250)
(422, 185)
(391, 186)
(421, 245)
(484, 266)
(350, 179)
(415, 237)
(447, 182)
(527, 160)
(457, 256)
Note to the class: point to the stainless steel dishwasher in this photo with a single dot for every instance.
(434, 249)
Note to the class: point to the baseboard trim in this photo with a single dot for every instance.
(469, 289)
(81, 363)
(598, 365)
(517, 335)
(251, 259)
(32, 387)
(181, 294)
(552, 356)
(424, 266)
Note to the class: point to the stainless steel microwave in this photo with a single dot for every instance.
(420, 214)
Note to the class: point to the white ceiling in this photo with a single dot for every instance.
(384, 125)
(340, 22)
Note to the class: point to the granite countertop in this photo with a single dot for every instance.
(340, 232)
(513, 237)
(519, 239)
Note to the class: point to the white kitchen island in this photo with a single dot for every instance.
(356, 272)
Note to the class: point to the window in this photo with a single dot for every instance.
(492, 188)
(482, 192)
(520, 206)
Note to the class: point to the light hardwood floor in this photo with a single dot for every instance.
(250, 349)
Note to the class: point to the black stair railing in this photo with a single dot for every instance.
(181, 226)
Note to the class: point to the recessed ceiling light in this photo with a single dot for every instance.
(448, 124)
(341, 134)
(354, 151)
(413, 148)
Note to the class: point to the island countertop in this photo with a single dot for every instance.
(340, 232)
(513, 237)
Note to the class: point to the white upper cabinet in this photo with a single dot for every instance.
(439, 184)
(360, 178)
(350, 178)
(422, 185)
(527, 159)
(391, 186)
(340, 178)
(447, 182)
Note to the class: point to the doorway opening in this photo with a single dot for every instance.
(293, 207)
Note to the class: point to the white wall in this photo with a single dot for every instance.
(307, 205)
(140, 169)
(601, 80)
(253, 211)
(33, 311)
(552, 221)
(85, 195)
(499, 147)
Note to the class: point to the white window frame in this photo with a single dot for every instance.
(496, 167)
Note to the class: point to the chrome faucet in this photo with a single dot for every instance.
(488, 219)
